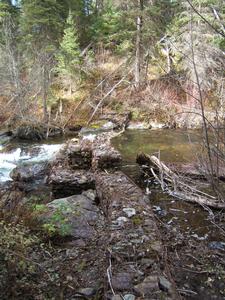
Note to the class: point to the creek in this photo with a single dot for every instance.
(174, 146)
(185, 226)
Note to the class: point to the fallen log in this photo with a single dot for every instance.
(176, 185)
(133, 239)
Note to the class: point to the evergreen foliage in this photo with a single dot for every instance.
(69, 52)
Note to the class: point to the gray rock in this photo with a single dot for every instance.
(157, 125)
(164, 284)
(120, 221)
(116, 297)
(87, 292)
(28, 173)
(139, 126)
(148, 286)
(109, 125)
(130, 212)
(78, 213)
(129, 297)
(122, 281)
(147, 262)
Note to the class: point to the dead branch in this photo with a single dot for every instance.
(176, 186)
(102, 100)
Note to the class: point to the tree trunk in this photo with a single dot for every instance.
(138, 58)
(45, 84)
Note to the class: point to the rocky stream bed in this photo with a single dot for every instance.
(113, 234)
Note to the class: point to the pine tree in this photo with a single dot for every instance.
(68, 58)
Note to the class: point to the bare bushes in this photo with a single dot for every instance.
(159, 100)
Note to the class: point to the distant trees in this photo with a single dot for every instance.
(41, 40)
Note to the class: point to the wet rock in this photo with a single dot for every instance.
(122, 281)
(66, 182)
(164, 284)
(78, 214)
(28, 173)
(130, 212)
(148, 286)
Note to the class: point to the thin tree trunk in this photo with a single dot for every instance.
(45, 84)
(138, 60)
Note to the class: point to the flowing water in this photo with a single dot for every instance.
(16, 153)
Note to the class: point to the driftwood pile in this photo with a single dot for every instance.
(176, 184)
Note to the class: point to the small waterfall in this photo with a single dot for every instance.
(10, 159)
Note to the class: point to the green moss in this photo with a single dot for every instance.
(137, 220)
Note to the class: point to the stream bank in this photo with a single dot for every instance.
(109, 233)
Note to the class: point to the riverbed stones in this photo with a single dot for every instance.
(129, 211)
(147, 287)
(87, 292)
(122, 281)
(164, 284)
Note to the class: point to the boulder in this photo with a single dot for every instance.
(28, 173)
(75, 216)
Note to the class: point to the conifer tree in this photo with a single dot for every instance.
(68, 58)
